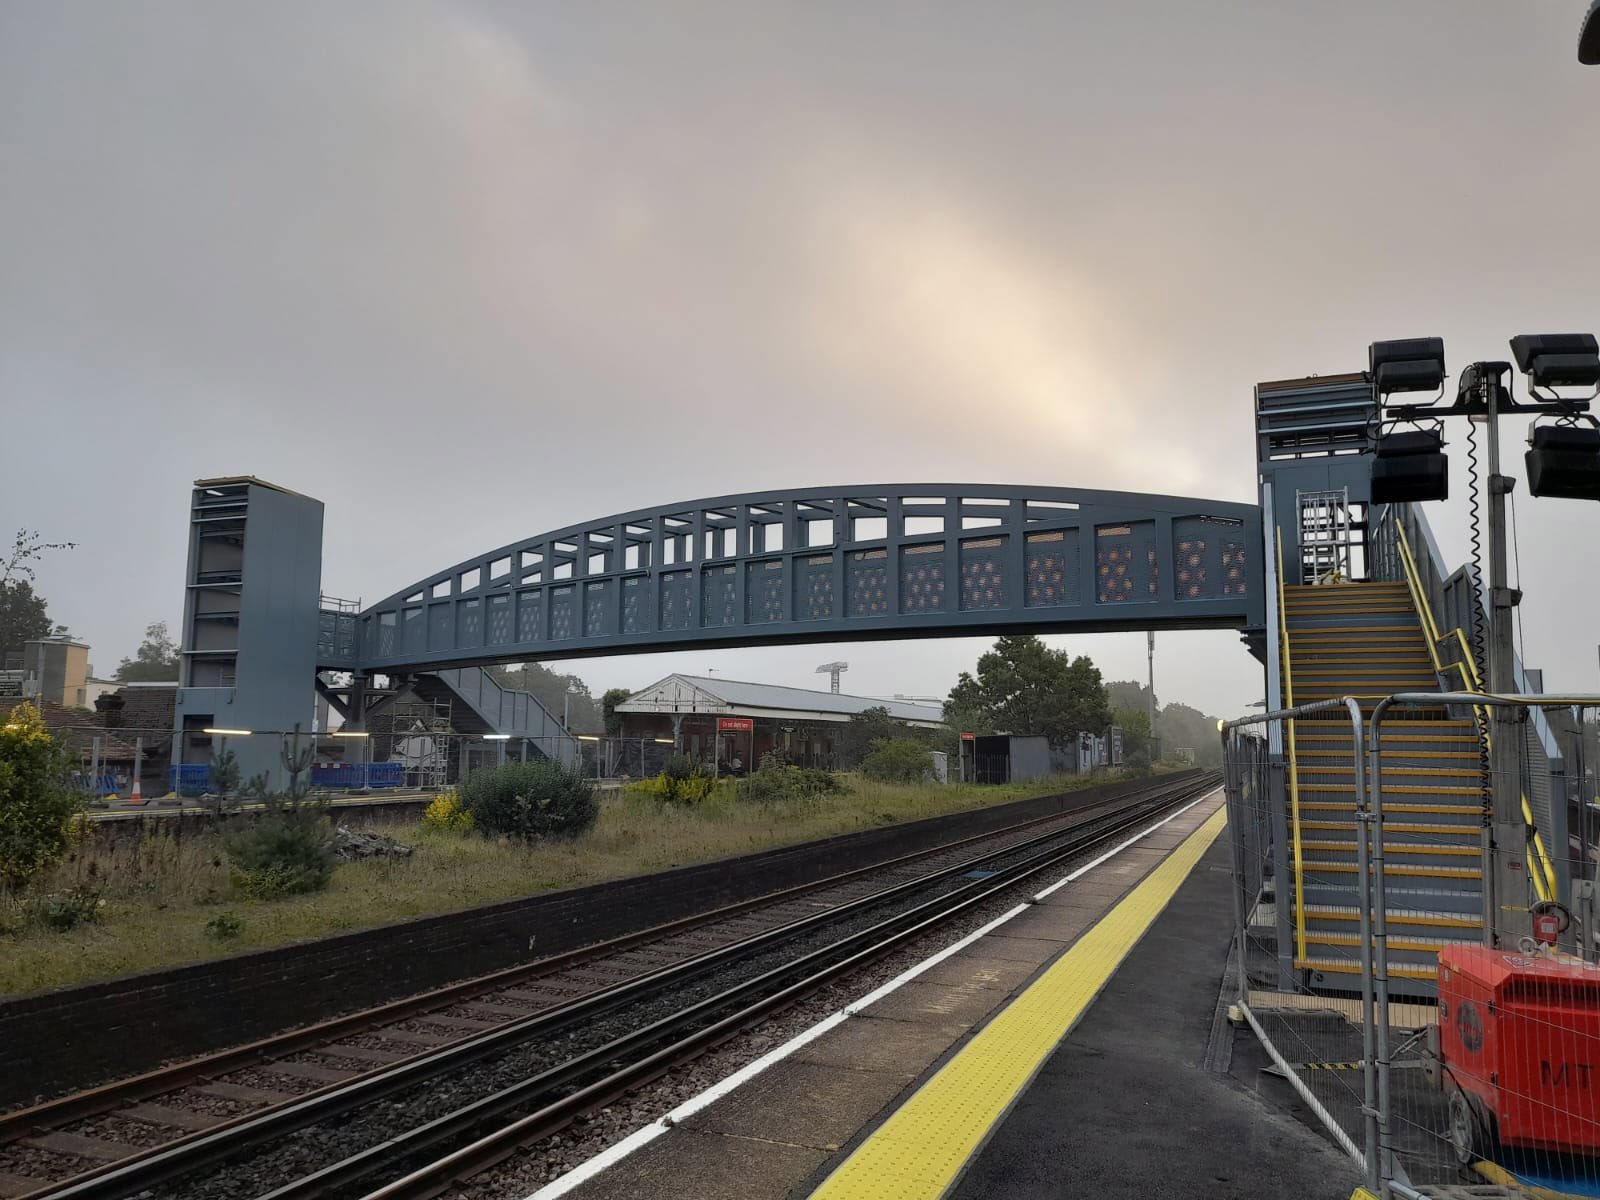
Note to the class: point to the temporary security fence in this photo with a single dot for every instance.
(1423, 970)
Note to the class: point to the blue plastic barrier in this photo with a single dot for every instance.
(358, 775)
(190, 779)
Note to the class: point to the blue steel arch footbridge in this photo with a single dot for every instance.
(824, 565)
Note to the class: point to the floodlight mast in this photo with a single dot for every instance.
(1548, 361)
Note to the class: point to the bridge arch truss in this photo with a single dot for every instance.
(825, 565)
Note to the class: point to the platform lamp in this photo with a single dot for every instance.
(1408, 454)
(1563, 458)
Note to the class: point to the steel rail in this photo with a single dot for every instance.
(813, 970)
(24, 1122)
(184, 1155)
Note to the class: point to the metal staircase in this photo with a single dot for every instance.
(1366, 640)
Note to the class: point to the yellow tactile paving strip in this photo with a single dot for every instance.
(919, 1151)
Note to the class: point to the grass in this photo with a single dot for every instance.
(169, 897)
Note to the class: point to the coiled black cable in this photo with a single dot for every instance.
(1475, 609)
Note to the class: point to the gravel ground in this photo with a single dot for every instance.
(112, 1128)
(17, 1159)
(374, 1123)
(197, 1101)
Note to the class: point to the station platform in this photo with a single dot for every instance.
(1070, 1049)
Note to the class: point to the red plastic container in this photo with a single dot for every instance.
(1519, 1034)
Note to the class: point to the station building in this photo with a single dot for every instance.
(725, 720)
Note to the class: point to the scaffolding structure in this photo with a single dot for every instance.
(417, 734)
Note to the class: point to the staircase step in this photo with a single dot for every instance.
(1402, 789)
(1411, 870)
(1451, 755)
(1343, 847)
(1424, 917)
(1430, 945)
(1463, 810)
(1344, 769)
(1413, 828)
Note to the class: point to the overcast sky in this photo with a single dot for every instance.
(471, 271)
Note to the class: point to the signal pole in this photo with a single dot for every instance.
(1155, 742)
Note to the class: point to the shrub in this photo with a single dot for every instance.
(685, 781)
(529, 800)
(447, 813)
(36, 806)
(777, 781)
(286, 851)
(224, 925)
(67, 910)
(898, 760)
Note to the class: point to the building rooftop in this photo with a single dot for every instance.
(738, 694)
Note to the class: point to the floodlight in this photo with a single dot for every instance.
(1409, 465)
(1407, 365)
(1558, 359)
(1563, 459)
(1589, 36)
(1470, 387)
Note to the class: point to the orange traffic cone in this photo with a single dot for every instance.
(134, 797)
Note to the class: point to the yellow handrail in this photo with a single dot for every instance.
(1294, 767)
(1539, 868)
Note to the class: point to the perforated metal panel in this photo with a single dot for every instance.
(867, 581)
(1052, 567)
(636, 604)
(469, 622)
(677, 600)
(530, 616)
(440, 633)
(1208, 556)
(814, 588)
(764, 591)
(922, 578)
(563, 612)
(1125, 563)
(499, 621)
(719, 596)
(983, 574)
(597, 612)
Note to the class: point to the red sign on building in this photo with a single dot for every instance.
(735, 724)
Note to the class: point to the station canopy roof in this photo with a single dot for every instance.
(688, 694)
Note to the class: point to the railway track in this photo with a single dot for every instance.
(534, 1046)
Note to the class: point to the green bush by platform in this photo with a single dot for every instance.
(529, 801)
(898, 760)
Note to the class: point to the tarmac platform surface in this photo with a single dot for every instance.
(1061, 1054)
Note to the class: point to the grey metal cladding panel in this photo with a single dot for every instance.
(439, 622)
(677, 600)
(719, 595)
(1006, 557)
(764, 589)
(922, 578)
(501, 621)
(563, 612)
(598, 608)
(813, 588)
(636, 604)
(414, 637)
(469, 621)
(530, 615)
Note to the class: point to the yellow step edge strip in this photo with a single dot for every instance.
(1335, 966)
(1399, 918)
(920, 1150)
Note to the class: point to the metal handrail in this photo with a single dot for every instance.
(1378, 896)
(1294, 767)
(1540, 869)
(1369, 994)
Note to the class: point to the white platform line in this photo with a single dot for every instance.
(643, 1136)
